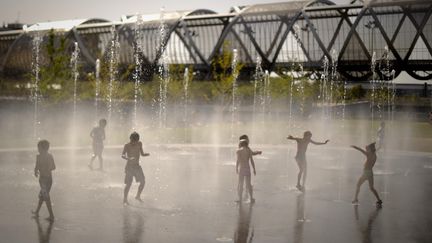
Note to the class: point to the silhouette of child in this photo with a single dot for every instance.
(98, 136)
(302, 145)
(131, 153)
(244, 155)
(44, 166)
(367, 172)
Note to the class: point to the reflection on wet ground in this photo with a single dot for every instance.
(190, 196)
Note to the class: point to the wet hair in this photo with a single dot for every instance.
(43, 145)
(244, 136)
(371, 147)
(243, 143)
(307, 134)
(102, 122)
(134, 136)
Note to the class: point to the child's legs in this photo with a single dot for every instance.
(100, 156)
(301, 166)
(249, 186)
(360, 181)
(49, 207)
(128, 183)
(304, 173)
(141, 179)
(240, 186)
(100, 160)
(38, 206)
(372, 188)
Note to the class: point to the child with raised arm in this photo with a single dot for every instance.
(98, 136)
(367, 172)
(245, 137)
(131, 153)
(44, 166)
(244, 155)
(302, 145)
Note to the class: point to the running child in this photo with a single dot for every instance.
(244, 155)
(98, 136)
(367, 175)
(44, 166)
(131, 153)
(302, 145)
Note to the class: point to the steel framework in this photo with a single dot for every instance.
(400, 30)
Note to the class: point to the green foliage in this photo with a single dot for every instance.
(56, 70)
(222, 71)
(356, 93)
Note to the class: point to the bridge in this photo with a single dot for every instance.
(282, 35)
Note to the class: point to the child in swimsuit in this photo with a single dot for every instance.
(244, 155)
(44, 166)
(132, 152)
(367, 172)
(302, 145)
(98, 136)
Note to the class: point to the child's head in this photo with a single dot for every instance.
(307, 134)
(134, 137)
(102, 122)
(371, 148)
(43, 146)
(243, 143)
(244, 137)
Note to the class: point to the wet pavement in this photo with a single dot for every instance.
(190, 196)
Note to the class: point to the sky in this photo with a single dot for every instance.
(34, 11)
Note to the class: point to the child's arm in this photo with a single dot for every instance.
(142, 151)
(53, 166)
(237, 163)
(36, 169)
(359, 149)
(253, 164)
(293, 138)
(124, 153)
(318, 143)
(256, 152)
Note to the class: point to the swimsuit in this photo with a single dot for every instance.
(133, 170)
(45, 183)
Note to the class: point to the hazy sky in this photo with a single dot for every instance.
(33, 11)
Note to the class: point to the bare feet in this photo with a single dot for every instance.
(125, 202)
(35, 214)
(379, 203)
(139, 199)
(50, 218)
(300, 188)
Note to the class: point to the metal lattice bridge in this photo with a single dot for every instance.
(280, 34)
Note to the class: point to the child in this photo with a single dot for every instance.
(380, 136)
(245, 137)
(367, 172)
(244, 155)
(44, 166)
(131, 153)
(302, 145)
(98, 136)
